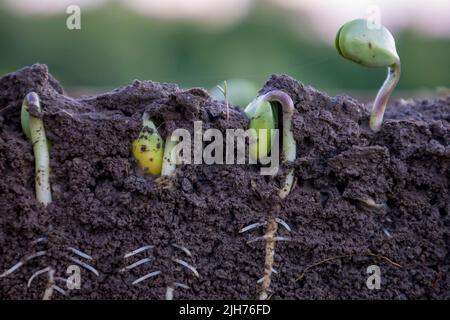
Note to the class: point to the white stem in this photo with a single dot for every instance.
(40, 149)
(50, 285)
(382, 98)
(169, 159)
(169, 292)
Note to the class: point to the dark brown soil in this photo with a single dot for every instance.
(104, 207)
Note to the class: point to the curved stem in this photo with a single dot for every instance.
(287, 106)
(40, 149)
(289, 146)
(381, 100)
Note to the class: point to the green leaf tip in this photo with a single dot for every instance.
(367, 45)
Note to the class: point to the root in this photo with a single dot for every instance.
(22, 262)
(80, 253)
(39, 240)
(136, 264)
(147, 276)
(270, 238)
(271, 231)
(50, 283)
(139, 263)
(301, 276)
(51, 286)
(37, 273)
(252, 226)
(283, 224)
(170, 289)
(85, 266)
(138, 250)
(188, 266)
(59, 289)
(184, 249)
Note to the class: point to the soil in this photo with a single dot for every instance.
(361, 199)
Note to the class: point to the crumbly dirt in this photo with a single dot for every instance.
(361, 198)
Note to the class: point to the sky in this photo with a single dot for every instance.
(432, 17)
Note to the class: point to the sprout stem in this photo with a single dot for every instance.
(169, 159)
(40, 147)
(170, 289)
(381, 100)
(289, 146)
(169, 292)
(371, 47)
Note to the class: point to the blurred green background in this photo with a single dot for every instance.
(117, 45)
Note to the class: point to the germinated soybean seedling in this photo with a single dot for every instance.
(154, 156)
(33, 127)
(263, 115)
(371, 47)
(148, 148)
(170, 289)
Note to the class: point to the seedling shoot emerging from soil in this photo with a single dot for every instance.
(263, 113)
(33, 127)
(148, 148)
(224, 91)
(153, 155)
(371, 47)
